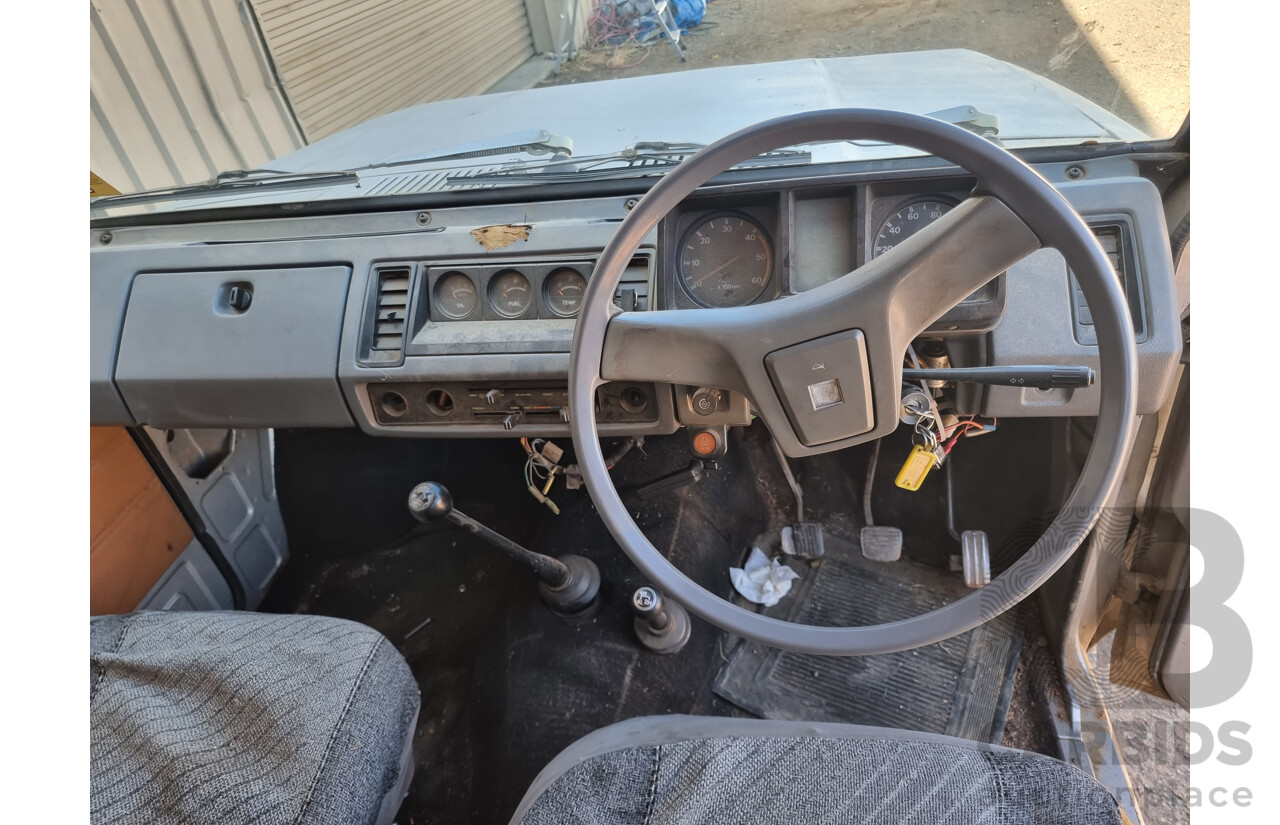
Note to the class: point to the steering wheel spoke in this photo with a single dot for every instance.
(926, 275)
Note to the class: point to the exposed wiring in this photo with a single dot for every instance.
(539, 466)
(540, 472)
(933, 404)
(965, 428)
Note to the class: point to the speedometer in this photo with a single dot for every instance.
(725, 261)
(906, 222)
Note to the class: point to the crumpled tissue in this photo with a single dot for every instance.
(762, 580)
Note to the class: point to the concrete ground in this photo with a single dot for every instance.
(1133, 57)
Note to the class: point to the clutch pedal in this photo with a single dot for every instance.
(804, 538)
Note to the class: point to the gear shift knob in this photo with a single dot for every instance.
(660, 625)
(430, 501)
(647, 602)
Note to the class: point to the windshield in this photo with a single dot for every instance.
(515, 95)
(1130, 57)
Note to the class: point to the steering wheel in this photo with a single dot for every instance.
(853, 331)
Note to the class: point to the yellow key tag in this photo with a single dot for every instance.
(915, 468)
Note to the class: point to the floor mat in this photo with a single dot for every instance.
(959, 687)
(505, 684)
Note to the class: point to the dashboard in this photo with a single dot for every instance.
(458, 321)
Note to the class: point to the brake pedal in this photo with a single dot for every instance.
(879, 542)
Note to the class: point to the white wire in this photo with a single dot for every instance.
(928, 393)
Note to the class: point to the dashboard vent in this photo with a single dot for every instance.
(1109, 239)
(392, 313)
(633, 289)
(1114, 238)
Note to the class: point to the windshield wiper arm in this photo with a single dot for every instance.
(966, 117)
(636, 160)
(529, 142)
(233, 180)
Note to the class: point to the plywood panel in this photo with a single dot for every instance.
(135, 529)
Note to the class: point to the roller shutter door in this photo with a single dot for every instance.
(345, 61)
(180, 91)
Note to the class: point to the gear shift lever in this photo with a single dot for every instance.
(568, 584)
(660, 625)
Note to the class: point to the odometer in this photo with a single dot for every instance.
(725, 261)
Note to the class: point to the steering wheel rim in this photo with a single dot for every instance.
(1031, 200)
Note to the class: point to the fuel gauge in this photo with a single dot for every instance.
(510, 293)
(563, 290)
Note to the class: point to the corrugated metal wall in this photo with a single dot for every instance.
(180, 90)
(345, 61)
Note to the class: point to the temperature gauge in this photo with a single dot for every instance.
(563, 290)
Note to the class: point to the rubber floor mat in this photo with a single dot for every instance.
(959, 687)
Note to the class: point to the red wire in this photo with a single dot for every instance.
(961, 428)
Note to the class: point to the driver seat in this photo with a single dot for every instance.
(254, 718)
(690, 769)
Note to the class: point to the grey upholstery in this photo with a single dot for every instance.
(683, 769)
(246, 718)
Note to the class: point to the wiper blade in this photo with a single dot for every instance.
(231, 181)
(529, 142)
(636, 160)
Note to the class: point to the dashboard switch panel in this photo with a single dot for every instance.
(513, 406)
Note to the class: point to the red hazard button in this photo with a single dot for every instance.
(705, 443)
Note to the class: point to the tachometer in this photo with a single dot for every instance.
(725, 261)
(906, 222)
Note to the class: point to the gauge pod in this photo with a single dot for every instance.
(562, 292)
(455, 295)
(725, 261)
(510, 293)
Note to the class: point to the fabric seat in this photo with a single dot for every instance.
(252, 718)
(247, 718)
(685, 769)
